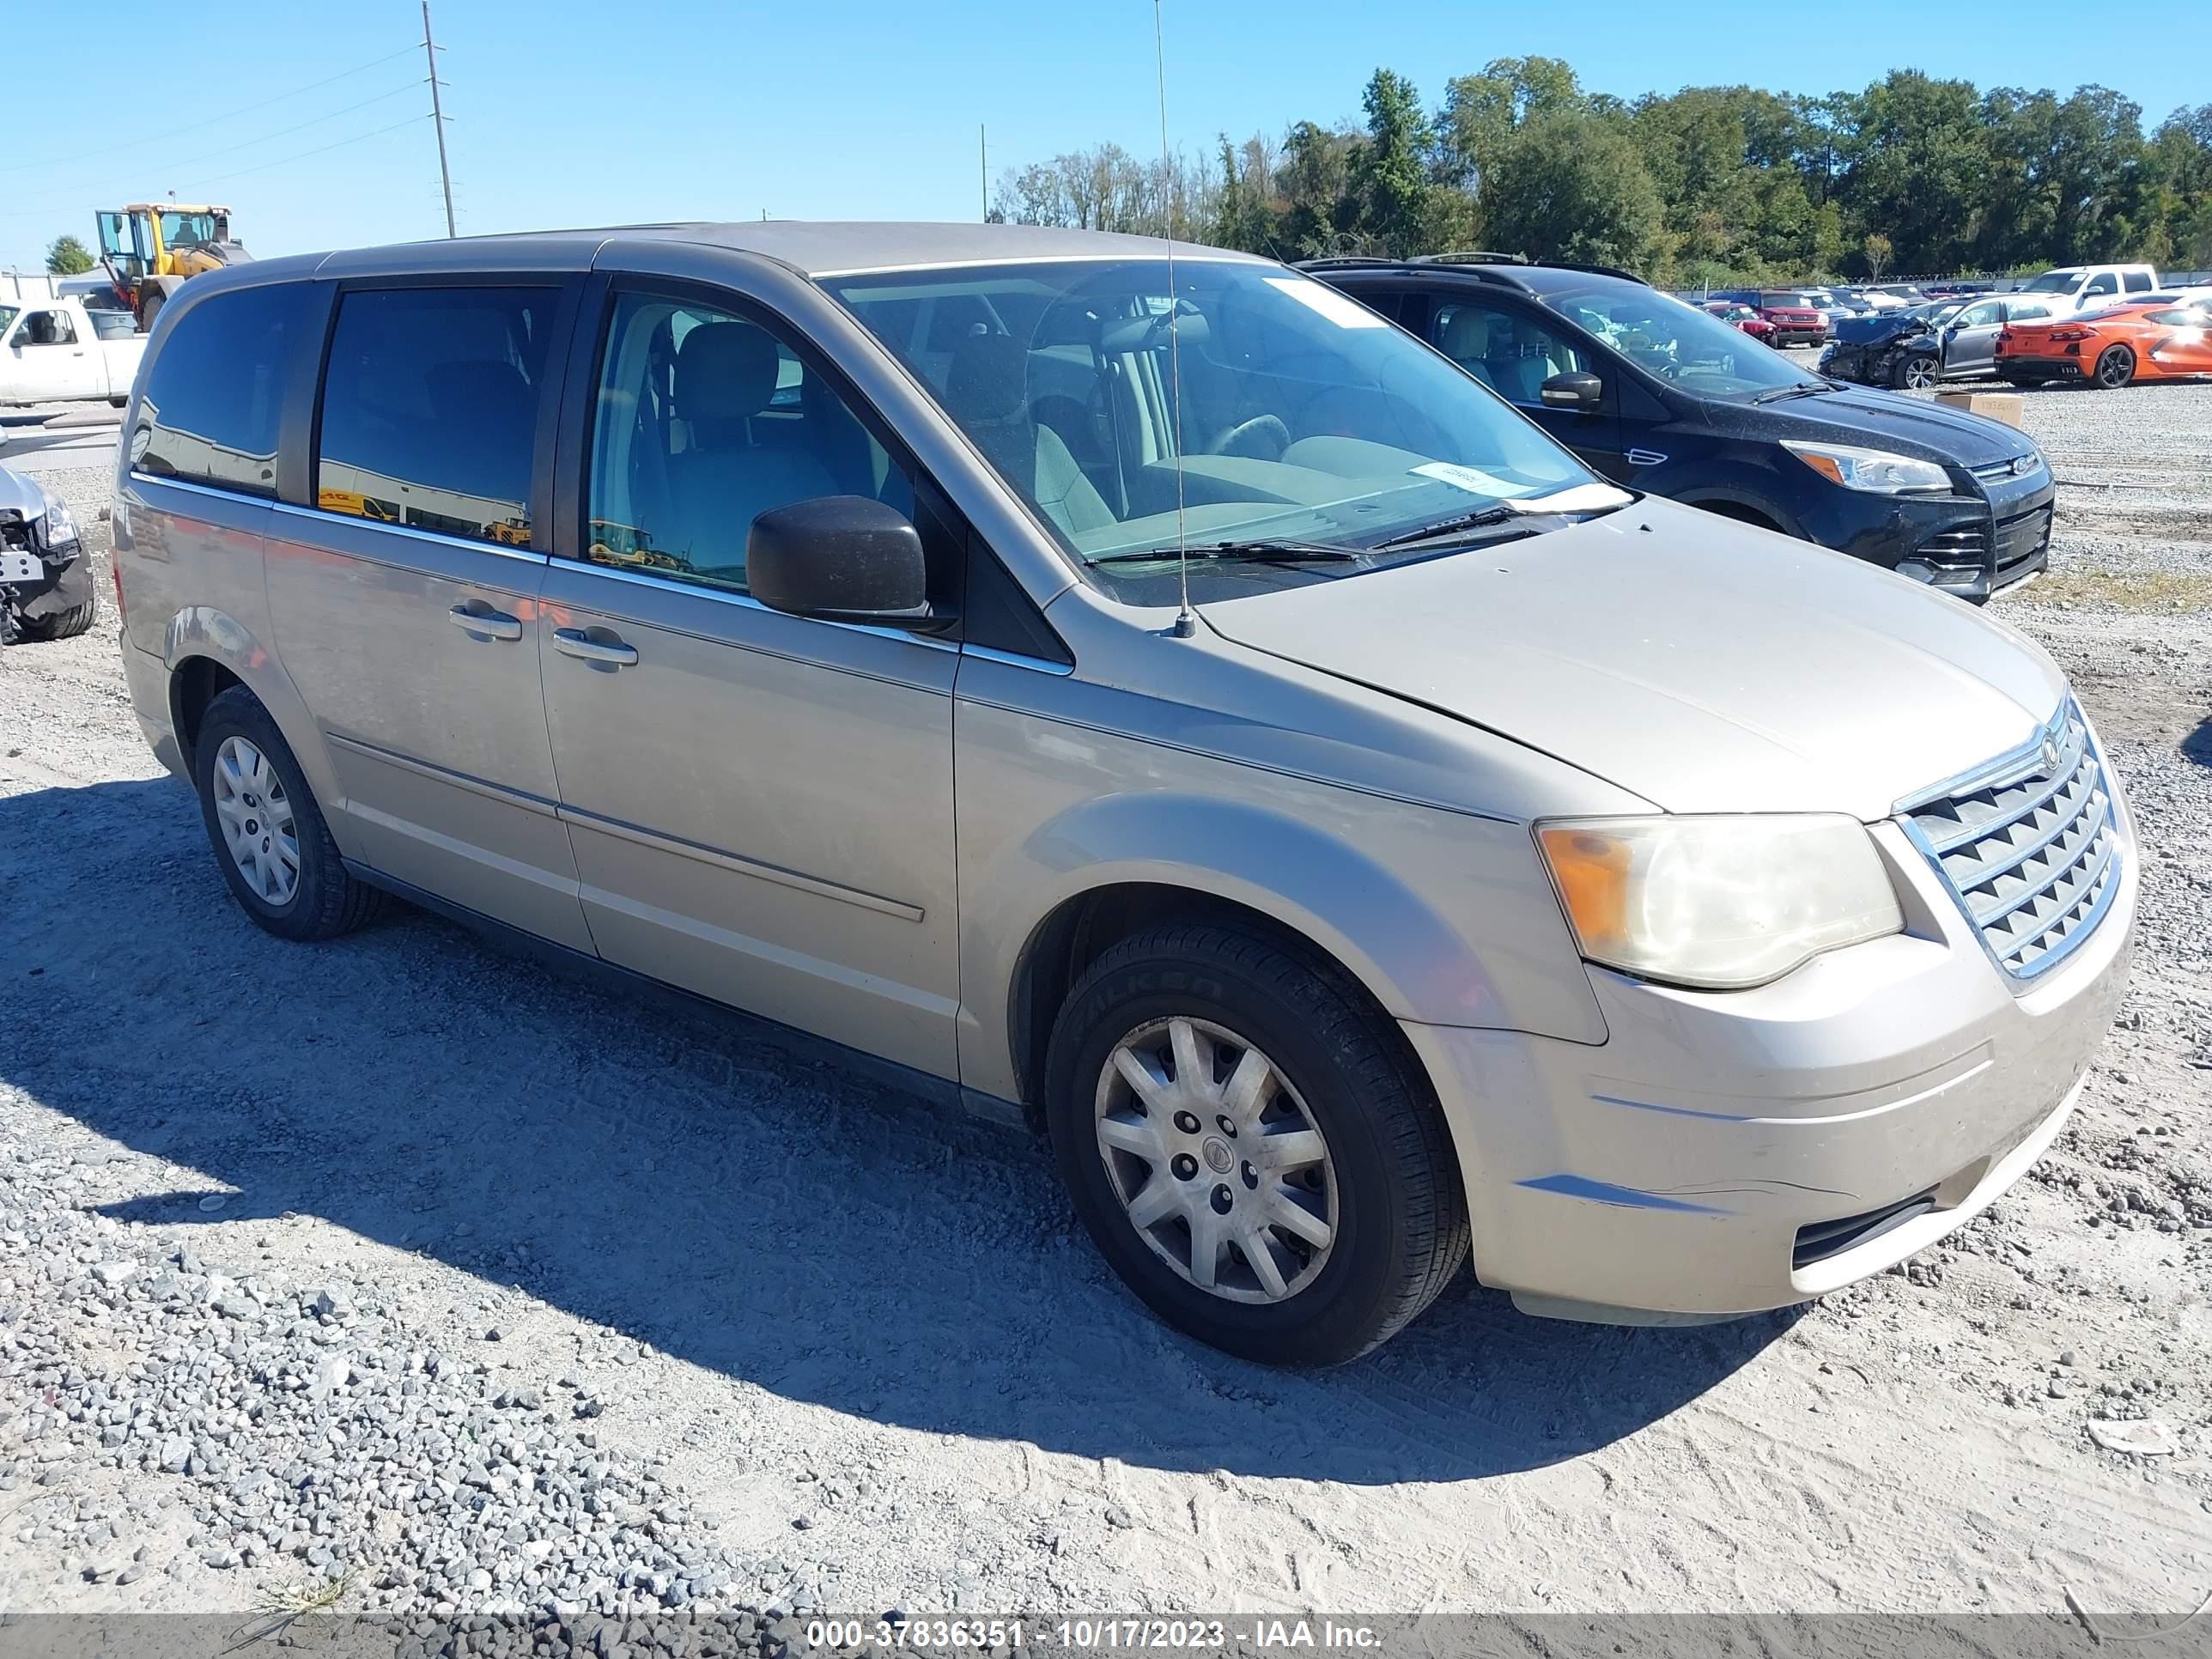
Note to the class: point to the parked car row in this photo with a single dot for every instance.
(1920, 346)
(1385, 820)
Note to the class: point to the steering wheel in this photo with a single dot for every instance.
(1226, 442)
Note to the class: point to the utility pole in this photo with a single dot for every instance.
(438, 119)
(983, 157)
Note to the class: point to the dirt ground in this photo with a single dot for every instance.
(872, 1343)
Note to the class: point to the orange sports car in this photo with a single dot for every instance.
(2160, 336)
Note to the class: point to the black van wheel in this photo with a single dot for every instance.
(1250, 1148)
(2116, 366)
(270, 840)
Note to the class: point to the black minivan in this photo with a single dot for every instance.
(1669, 398)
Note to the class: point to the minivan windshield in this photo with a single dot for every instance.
(1666, 336)
(1299, 417)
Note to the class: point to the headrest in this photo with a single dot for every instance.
(725, 372)
(989, 379)
(1466, 335)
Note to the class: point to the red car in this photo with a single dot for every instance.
(1744, 318)
(1796, 322)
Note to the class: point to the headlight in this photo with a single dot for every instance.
(61, 528)
(1874, 470)
(1718, 902)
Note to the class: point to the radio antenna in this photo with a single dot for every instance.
(1186, 623)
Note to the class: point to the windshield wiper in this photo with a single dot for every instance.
(1802, 389)
(1488, 518)
(1260, 551)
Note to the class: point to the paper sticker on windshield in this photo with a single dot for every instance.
(1319, 296)
(1473, 479)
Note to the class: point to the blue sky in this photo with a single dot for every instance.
(567, 112)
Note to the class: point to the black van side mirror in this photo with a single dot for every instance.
(840, 558)
(1576, 389)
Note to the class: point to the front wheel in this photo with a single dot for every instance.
(2116, 366)
(1914, 373)
(1250, 1148)
(62, 625)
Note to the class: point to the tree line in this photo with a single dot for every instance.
(1706, 185)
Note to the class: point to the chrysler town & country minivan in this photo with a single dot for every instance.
(1476, 858)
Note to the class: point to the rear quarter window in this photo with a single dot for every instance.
(213, 394)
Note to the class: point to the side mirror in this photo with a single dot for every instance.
(1576, 389)
(840, 558)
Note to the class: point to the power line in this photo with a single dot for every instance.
(281, 132)
(358, 139)
(213, 120)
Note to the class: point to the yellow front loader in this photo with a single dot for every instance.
(150, 249)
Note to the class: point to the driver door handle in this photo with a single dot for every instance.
(575, 642)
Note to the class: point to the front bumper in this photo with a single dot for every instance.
(66, 585)
(1722, 1154)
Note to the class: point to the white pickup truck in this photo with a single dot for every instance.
(59, 350)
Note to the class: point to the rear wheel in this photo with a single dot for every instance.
(270, 840)
(1250, 1148)
(1917, 372)
(2116, 366)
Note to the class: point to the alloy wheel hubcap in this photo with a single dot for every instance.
(256, 815)
(1919, 376)
(1218, 1162)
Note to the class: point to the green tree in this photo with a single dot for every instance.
(1572, 187)
(1877, 253)
(1394, 199)
(66, 257)
(1482, 112)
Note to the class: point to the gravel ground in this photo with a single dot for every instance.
(401, 1272)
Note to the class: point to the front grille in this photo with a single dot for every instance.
(2028, 845)
(1823, 1239)
(1965, 548)
(1997, 471)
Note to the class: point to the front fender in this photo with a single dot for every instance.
(1445, 917)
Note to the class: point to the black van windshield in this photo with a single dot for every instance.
(1677, 342)
(1292, 414)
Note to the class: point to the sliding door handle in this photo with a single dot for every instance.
(576, 642)
(487, 623)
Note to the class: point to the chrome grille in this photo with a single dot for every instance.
(1968, 546)
(2028, 845)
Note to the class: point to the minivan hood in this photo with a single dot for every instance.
(1704, 664)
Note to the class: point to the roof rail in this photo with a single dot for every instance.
(1345, 259)
(1597, 271)
(1474, 256)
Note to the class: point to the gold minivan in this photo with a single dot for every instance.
(1137, 692)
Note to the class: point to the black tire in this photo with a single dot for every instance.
(2116, 366)
(1919, 370)
(1402, 1224)
(62, 625)
(327, 900)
